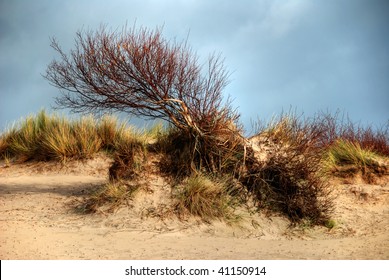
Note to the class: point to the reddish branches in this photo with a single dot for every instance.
(139, 72)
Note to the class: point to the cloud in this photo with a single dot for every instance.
(310, 55)
(283, 16)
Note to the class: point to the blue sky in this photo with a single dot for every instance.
(308, 55)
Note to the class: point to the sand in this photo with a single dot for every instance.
(39, 220)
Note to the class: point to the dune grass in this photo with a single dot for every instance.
(129, 154)
(206, 197)
(51, 137)
(109, 197)
(290, 180)
(347, 159)
(25, 140)
(339, 128)
(63, 139)
(344, 152)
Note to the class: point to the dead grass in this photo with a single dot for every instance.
(109, 197)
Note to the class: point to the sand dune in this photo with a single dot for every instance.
(39, 221)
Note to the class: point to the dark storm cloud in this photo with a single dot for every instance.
(304, 54)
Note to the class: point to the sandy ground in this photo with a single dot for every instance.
(39, 220)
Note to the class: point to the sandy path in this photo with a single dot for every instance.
(38, 221)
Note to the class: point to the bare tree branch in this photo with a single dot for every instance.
(139, 72)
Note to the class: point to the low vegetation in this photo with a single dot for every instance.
(206, 196)
(347, 159)
(185, 154)
(337, 127)
(51, 137)
(352, 150)
(109, 197)
(281, 168)
(345, 152)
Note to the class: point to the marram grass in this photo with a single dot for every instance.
(206, 197)
(344, 152)
(109, 197)
(291, 169)
(51, 137)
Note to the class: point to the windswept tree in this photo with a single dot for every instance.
(139, 72)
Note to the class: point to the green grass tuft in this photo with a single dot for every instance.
(344, 152)
(349, 159)
(330, 224)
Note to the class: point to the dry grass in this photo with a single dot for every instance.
(45, 137)
(344, 152)
(109, 197)
(288, 178)
(51, 137)
(110, 130)
(63, 139)
(129, 156)
(206, 197)
(347, 159)
(24, 142)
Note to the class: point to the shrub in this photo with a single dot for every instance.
(287, 178)
(139, 72)
(330, 224)
(343, 129)
(185, 154)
